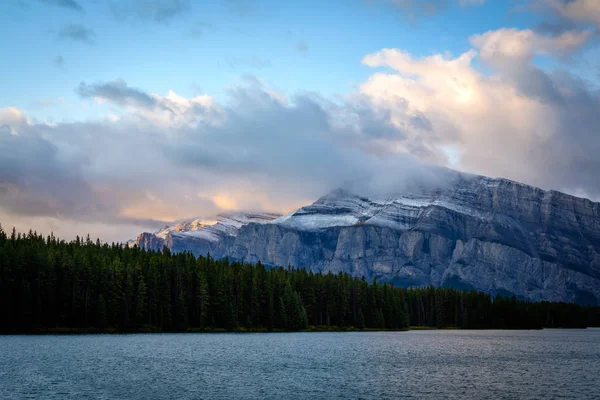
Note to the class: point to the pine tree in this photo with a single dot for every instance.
(141, 303)
(361, 320)
(50, 283)
(281, 321)
(101, 313)
(202, 301)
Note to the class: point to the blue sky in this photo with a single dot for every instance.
(209, 45)
(122, 116)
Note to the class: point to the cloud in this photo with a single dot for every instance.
(170, 110)
(12, 116)
(77, 32)
(70, 4)
(586, 11)
(518, 121)
(302, 47)
(167, 156)
(118, 92)
(558, 16)
(511, 51)
(555, 28)
(513, 44)
(159, 11)
(68, 173)
(258, 151)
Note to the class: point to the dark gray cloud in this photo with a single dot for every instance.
(38, 180)
(298, 148)
(70, 4)
(535, 83)
(117, 92)
(571, 155)
(562, 15)
(159, 11)
(53, 172)
(263, 136)
(77, 32)
(555, 27)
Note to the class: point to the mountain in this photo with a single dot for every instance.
(464, 231)
(200, 236)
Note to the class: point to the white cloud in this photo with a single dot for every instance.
(258, 151)
(171, 110)
(516, 122)
(514, 45)
(12, 116)
(157, 157)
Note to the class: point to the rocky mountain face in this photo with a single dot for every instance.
(201, 237)
(488, 234)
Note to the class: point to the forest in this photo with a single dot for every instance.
(51, 285)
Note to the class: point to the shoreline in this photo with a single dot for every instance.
(94, 331)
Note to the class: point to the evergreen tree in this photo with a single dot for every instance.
(141, 303)
(47, 283)
(101, 313)
(281, 321)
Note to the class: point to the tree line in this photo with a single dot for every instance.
(47, 283)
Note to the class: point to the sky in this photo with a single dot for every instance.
(118, 117)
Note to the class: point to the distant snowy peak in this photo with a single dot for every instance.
(213, 230)
(185, 226)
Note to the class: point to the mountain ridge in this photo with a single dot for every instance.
(490, 234)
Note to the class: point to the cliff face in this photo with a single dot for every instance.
(200, 237)
(488, 234)
(494, 235)
(150, 241)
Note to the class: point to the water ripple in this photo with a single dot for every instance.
(549, 364)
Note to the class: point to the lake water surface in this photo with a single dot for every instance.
(548, 364)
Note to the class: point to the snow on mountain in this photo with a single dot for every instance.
(344, 207)
(224, 225)
(461, 230)
(201, 232)
(466, 231)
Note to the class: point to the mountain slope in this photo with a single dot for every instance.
(201, 237)
(489, 234)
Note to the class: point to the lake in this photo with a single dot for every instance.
(459, 364)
